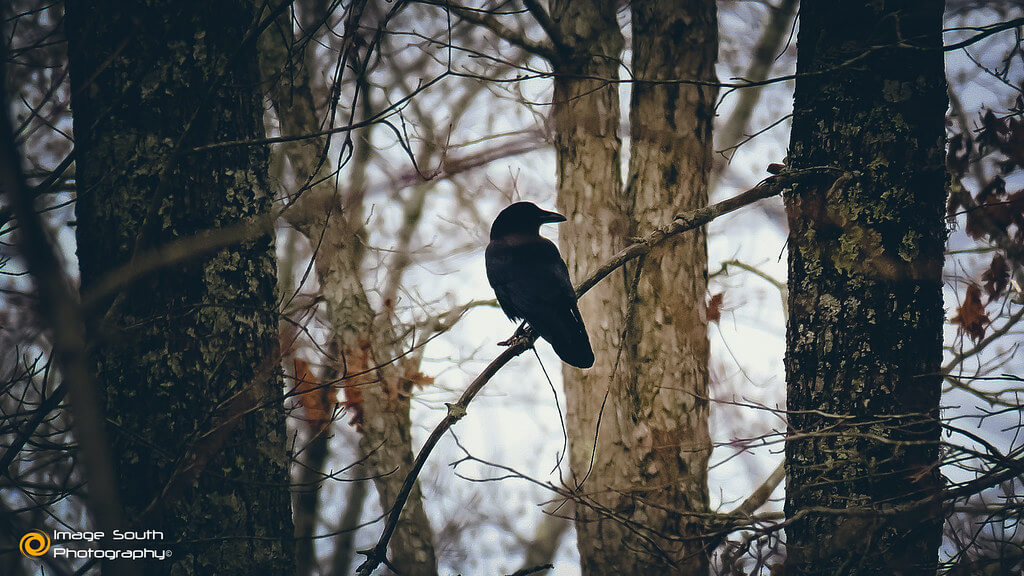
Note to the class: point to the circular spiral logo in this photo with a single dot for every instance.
(34, 544)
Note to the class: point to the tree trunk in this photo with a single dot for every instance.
(333, 224)
(645, 398)
(665, 373)
(585, 111)
(293, 102)
(187, 356)
(865, 306)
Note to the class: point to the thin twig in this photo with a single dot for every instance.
(378, 553)
(59, 308)
(745, 511)
(770, 186)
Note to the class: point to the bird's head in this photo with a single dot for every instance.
(522, 218)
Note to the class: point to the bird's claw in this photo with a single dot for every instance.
(516, 339)
(521, 336)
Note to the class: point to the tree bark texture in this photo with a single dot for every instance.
(585, 113)
(289, 99)
(645, 398)
(187, 356)
(865, 304)
(332, 221)
(666, 345)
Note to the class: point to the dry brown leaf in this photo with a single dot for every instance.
(997, 277)
(316, 401)
(354, 403)
(715, 308)
(357, 365)
(414, 377)
(971, 315)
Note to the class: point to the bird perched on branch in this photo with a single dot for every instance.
(532, 282)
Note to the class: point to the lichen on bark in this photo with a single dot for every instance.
(865, 257)
(186, 356)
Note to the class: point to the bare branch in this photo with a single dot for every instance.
(766, 188)
(378, 553)
(58, 305)
(180, 250)
(488, 21)
(768, 45)
(544, 19)
(745, 511)
(759, 496)
(983, 32)
(682, 223)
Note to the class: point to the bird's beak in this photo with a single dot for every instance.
(546, 217)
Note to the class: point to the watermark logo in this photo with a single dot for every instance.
(34, 543)
(135, 546)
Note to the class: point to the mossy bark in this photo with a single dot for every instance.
(865, 305)
(644, 400)
(188, 355)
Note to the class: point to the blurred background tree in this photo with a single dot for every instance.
(395, 133)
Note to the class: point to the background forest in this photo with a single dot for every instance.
(242, 286)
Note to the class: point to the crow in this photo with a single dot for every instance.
(532, 282)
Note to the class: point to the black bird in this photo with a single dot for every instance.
(532, 282)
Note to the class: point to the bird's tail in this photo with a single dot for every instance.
(568, 336)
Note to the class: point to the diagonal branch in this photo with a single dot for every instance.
(731, 136)
(378, 553)
(771, 186)
(982, 33)
(746, 509)
(768, 187)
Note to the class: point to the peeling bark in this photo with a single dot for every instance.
(865, 306)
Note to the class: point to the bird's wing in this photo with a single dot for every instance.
(528, 275)
(532, 282)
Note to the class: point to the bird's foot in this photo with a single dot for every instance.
(517, 338)
(521, 334)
